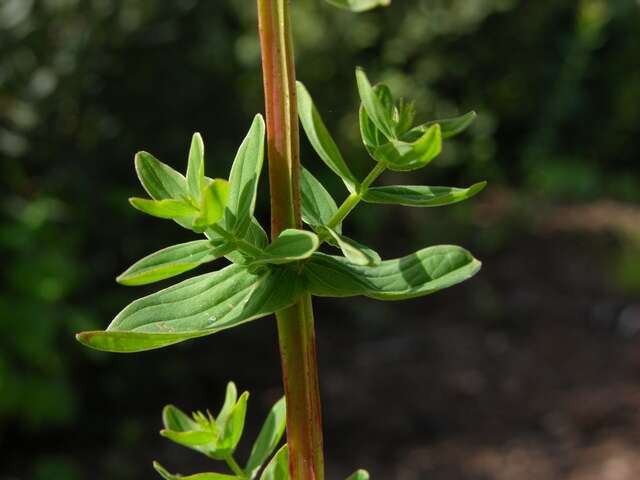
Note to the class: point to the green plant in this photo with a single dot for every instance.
(281, 276)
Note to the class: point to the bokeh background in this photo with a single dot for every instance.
(529, 371)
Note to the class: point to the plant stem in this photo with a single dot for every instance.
(235, 468)
(354, 198)
(296, 331)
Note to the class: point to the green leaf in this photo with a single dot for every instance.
(450, 126)
(404, 156)
(183, 430)
(243, 181)
(353, 251)
(213, 200)
(321, 140)
(159, 180)
(268, 438)
(175, 419)
(230, 399)
(318, 206)
(164, 208)
(233, 428)
(191, 439)
(171, 261)
(197, 307)
(195, 167)
(359, 475)
(199, 476)
(377, 111)
(278, 467)
(421, 273)
(359, 5)
(291, 245)
(421, 196)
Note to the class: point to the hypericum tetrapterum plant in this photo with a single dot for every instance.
(281, 276)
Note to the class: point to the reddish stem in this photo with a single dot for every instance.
(296, 331)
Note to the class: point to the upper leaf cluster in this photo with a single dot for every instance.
(264, 276)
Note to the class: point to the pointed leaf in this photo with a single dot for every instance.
(421, 196)
(353, 251)
(318, 206)
(195, 167)
(197, 307)
(233, 428)
(405, 156)
(421, 273)
(194, 438)
(450, 126)
(372, 138)
(243, 181)
(278, 467)
(268, 438)
(171, 261)
(230, 399)
(175, 419)
(213, 200)
(159, 180)
(374, 107)
(170, 209)
(359, 475)
(321, 140)
(291, 245)
(199, 476)
(359, 5)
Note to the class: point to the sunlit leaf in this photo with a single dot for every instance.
(421, 273)
(450, 126)
(374, 106)
(233, 428)
(159, 180)
(278, 467)
(169, 208)
(230, 399)
(321, 139)
(171, 261)
(197, 307)
(213, 200)
(268, 438)
(195, 167)
(194, 438)
(359, 5)
(243, 180)
(199, 476)
(318, 206)
(421, 196)
(175, 419)
(403, 156)
(291, 245)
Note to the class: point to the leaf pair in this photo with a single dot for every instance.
(218, 437)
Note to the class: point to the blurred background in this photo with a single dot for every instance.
(529, 371)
